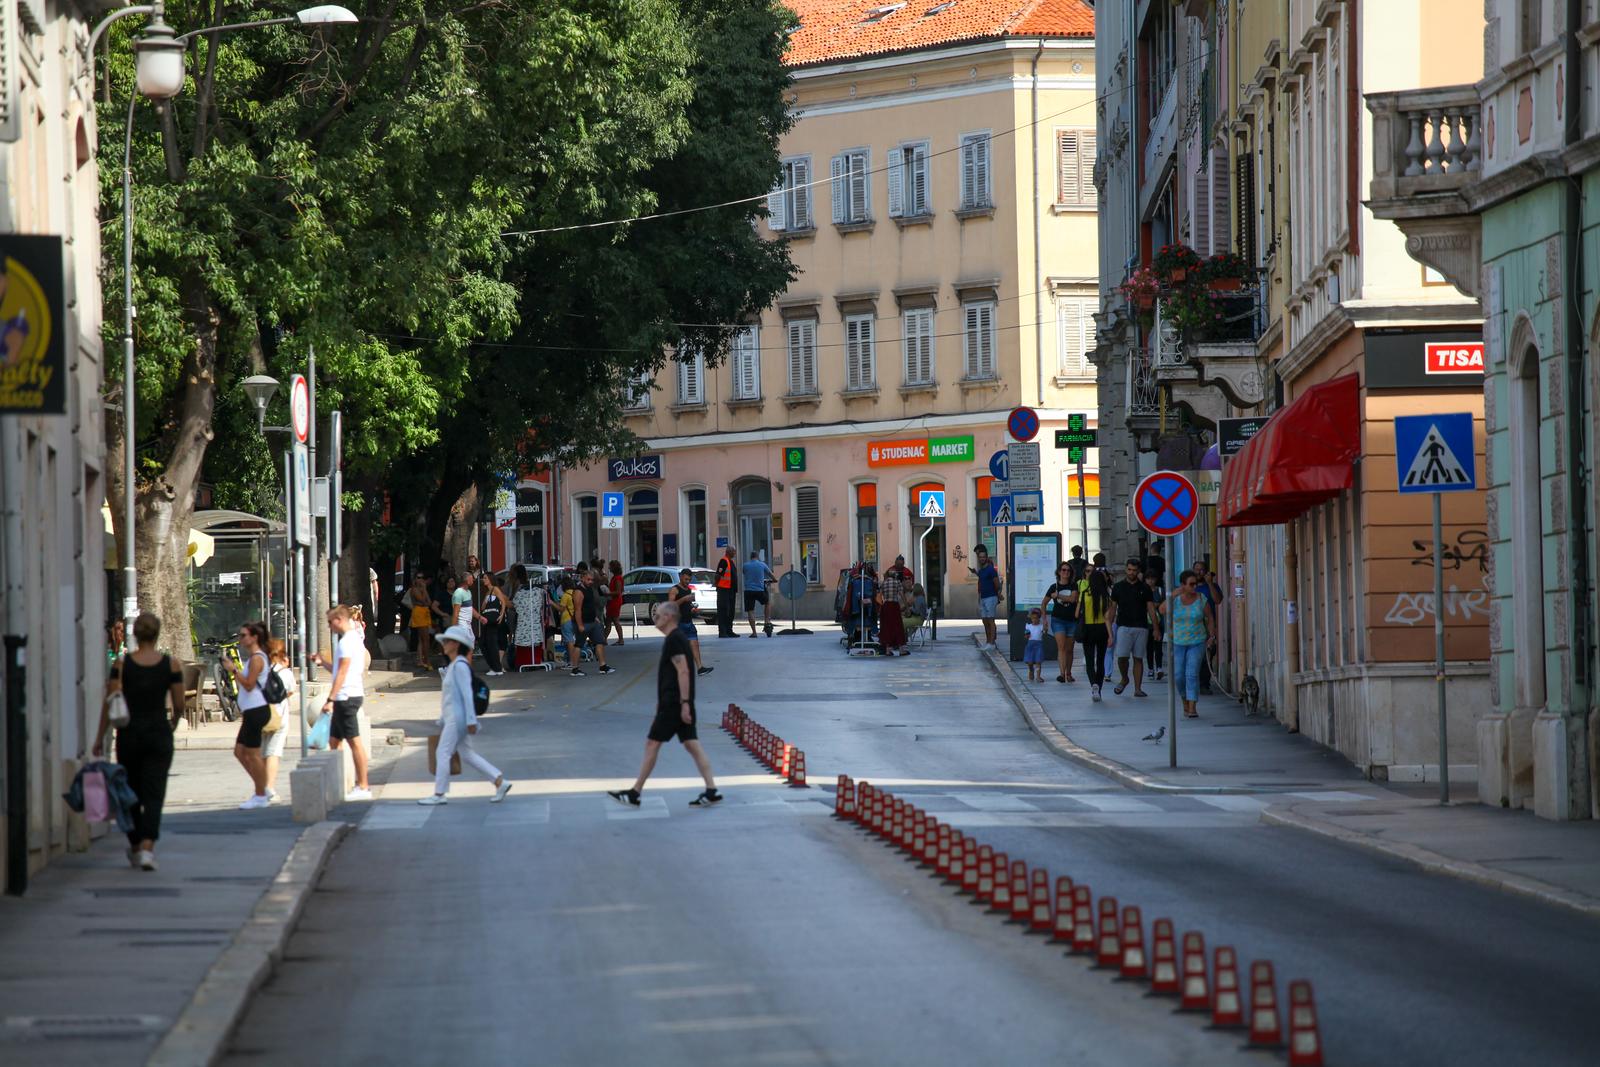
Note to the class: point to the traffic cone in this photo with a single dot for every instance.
(1108, 951)
(1226, 1009)
(930, 844)
(1039, 896)
(958, 859)
(1305, 1042)
(1163, 958)
(785, 758)
(839, 792)
(1082, 921)
(969, 873)
(985, 890)
(941, 857)
(1021, 902)
(1000, 901)
(1196, 991)
(1266, 1029)
(1134, 963)
(919, 836)
(1063, 924)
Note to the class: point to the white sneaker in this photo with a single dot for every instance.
(147, 861)
(1095, 693)
(253, 802)
(501, 790)
(359, 794)
(433, 801)
(272, 796)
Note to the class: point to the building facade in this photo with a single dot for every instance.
(1494, 184)
(52, 466)
(1234, 148)
(937, 196)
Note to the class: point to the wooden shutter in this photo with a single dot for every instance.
(775, 214)
(1200, 211)
(1220, 237)
(690, 378)
(859, 370)
(10, 72)
(1244, 204)
(980, 171)
(803, 357)
(859, 200)
(919, 346)
(980, 340)
(969, 170)
(800, 182)
(747, 363)
(1069, 187)
(897, 183)
(839, 185)
(918, 185)
(1069, 340)
(808, 513)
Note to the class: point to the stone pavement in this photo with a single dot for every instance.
(98, 960)
(1228, 751)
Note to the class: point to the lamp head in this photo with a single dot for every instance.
(259, 388)
(160, 60)
(326, 15)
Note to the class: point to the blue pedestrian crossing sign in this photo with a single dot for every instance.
(930, 504)
(1433, 453)
(1000, 513)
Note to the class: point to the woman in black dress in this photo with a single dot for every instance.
(151, 683)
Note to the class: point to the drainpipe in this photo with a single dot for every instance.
(1290, 713)
(1038, 230)
(1578, 478)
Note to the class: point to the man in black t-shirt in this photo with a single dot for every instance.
(674, 712)
(1132, 611)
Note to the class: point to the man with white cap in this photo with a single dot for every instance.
(458, 719)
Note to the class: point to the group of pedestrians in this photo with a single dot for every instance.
(882, 610)
(1123, 621)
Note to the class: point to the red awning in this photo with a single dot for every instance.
(1303, 456)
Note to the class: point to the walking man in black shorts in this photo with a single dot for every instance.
(674, 711)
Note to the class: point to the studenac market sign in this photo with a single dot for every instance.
(916, 451)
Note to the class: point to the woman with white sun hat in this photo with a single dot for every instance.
(458, 719)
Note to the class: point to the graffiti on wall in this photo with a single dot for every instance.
(1469, 605)
(1471, 546)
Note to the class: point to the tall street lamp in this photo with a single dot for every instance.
(160, 76)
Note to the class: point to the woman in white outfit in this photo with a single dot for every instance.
(458, 720)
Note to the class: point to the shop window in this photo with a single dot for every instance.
(1076, 513)
(983, 529)
(867, 522)
(808, 531)
(644, 528)
(586, 508)
(530, 526)
(695, 537)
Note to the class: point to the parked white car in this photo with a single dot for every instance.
(647, 585)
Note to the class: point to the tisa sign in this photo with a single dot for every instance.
(637, 467)
(1453, 357)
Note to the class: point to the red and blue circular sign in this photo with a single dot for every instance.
(1165, 503)
(1023, 424)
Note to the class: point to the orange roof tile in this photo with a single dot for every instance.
(834, 30)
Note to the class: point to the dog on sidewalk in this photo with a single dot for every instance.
(1250, 694)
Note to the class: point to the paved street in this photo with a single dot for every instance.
(566, 929)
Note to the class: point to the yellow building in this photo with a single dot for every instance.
(938, 198)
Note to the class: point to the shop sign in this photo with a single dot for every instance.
(1207, 485)
(951, 449)
(1423, 359)
(1234, 434)
(33, 351)
(1446, 357)
(896, 453)
(794, 460)
(638, 467)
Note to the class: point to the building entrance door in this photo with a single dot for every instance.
(752, 504)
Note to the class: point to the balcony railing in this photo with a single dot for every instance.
(1426, 144)
(1143, 392)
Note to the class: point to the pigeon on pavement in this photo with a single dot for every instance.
(1158, 735)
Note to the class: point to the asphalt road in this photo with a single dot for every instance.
(558, 928)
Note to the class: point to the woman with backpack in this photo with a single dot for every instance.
(276, 738)
(459, 705)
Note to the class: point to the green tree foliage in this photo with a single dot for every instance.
(349, 188)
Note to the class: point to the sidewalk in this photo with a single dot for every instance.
(1227, 751)
(98, 962)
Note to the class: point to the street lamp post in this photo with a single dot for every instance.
(160, 76)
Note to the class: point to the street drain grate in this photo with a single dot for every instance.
(134, 891)
(80, 1027)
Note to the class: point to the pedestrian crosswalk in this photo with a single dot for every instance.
(963, 808)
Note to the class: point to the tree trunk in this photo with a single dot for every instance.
(164, 505)
(441, 521)
(354, 580)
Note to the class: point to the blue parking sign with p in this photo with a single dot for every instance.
(611, 505)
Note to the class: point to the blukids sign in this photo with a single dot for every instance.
(32, 327)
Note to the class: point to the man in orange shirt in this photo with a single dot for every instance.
(727, 589)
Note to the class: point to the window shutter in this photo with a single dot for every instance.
(858, 353)
(1073, 324)
(919, 180)
(980, 171)
(980, 340)
(869, 355)
(802, 357)
(897, 181)
(747, 363)
(800, 179)
(1200, 212)
(1087, 149)
(969, 186)
(10, 80)
(1067, 155)
(1244, 203)
(840, 188)
(1220, 238)
(808, 513)
(859, 199)
(919, 346)
(690, 379)
(775, 217)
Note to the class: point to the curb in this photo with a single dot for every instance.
(1435, 862)
(200, 1035)
(1060, 744)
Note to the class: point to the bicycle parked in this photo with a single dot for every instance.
(213, 652)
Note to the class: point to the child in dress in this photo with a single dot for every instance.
(1033, 651)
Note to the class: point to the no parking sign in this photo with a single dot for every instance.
(1166, 503)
